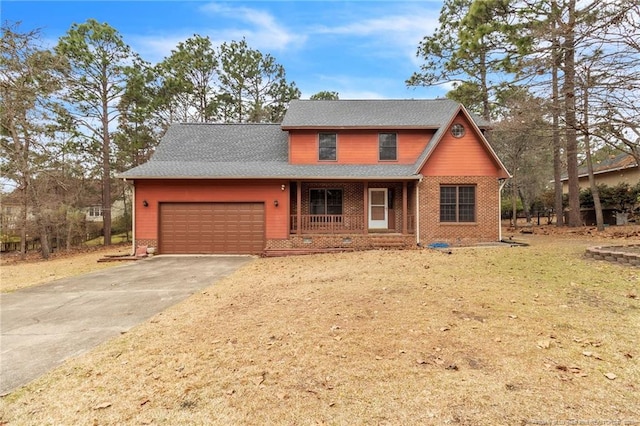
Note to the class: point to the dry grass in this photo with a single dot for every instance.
(477, 337)
(16, 274)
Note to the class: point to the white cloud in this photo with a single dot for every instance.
(262, 30)
(154, 48)
(389, 35)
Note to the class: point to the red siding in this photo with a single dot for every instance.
(157, 191)
(465, 156)
(357, 146)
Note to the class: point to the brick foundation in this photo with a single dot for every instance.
(347, 241)
(147, 242)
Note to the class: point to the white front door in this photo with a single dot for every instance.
(378, 208)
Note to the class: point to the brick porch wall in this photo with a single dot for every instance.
(352, 241)
(485, 229)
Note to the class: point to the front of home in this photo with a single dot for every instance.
(332, 175)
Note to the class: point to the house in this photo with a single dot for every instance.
(612, 171)
(94, 212)
(621, 168)
(333, 175)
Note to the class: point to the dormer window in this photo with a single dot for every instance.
(387, 147)
(327, 143)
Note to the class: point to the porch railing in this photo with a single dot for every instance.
(328, 224)
(336, 224)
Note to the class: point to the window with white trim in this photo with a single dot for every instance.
(457, 203)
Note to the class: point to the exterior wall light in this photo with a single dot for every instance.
(144, 203)
(283, 186)
(275, 203)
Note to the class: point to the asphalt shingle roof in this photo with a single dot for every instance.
(249, 151)
(242, 151)
(405, 113)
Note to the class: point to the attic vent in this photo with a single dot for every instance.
(457, 130)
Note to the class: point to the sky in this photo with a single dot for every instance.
(360, 49)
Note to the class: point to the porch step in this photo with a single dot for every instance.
(302, 251)
(391, 242)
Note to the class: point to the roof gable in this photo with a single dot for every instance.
(442, 131)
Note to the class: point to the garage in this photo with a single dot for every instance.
(211, 228)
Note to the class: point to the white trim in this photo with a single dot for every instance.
(382, 223)
(418, 211)
(502, 184)
(133, 219)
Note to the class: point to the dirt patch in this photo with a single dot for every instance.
(500, 335)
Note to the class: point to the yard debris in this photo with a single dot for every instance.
(102, 406)
(590, 354)
(544, 344)
(610, 376)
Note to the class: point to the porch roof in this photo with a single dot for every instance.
(266, 170)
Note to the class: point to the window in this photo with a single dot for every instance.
(325, 201)
(457, 203)
(327, 146)
(387, 146)
(95, 211)
(457, 130)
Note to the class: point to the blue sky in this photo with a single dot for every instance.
(360, 49)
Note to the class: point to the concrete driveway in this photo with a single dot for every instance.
(43, 326)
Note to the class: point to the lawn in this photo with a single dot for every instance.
(473, 336)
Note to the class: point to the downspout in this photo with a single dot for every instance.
(133, 218)
(502, 184)
(418, 212)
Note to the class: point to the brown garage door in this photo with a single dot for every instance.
(196, 228)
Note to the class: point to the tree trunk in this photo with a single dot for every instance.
(570, 117)
(597, 205)
(24, 214)
(557, 145)
(44, 242)
(514, 201)
(106, 168)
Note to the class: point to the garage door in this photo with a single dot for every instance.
(204, 228)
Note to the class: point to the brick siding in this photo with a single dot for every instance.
(484, 229)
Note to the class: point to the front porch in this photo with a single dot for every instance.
(356, 215)
(352, 207)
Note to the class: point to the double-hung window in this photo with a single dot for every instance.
(327, 143)
(325, 201)
(457, 203)
(387, 146)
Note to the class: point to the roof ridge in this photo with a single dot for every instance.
(225, 124)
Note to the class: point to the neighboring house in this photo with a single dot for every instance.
(334, 175)
(622, 168)
(94, 213)
(11, 214)
(617, 169)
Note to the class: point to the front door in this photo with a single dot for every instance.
(378, 208)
